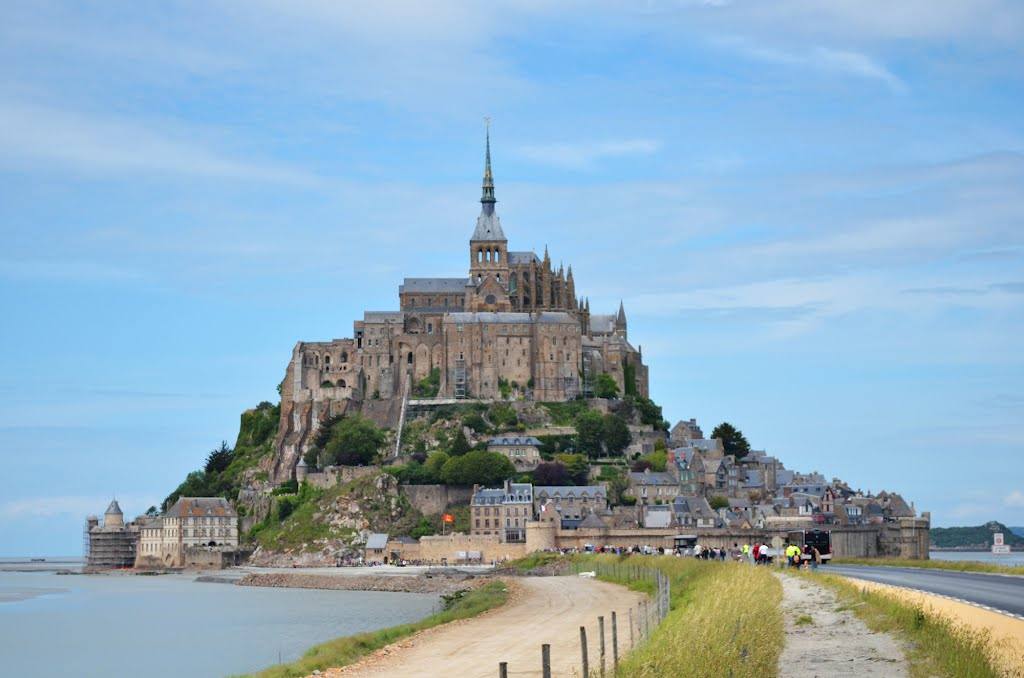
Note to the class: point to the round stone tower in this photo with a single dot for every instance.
(113, 517)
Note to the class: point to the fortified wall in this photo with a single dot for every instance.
(907, 538)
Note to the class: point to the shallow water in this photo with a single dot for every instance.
(170, 625)
(1014, 558)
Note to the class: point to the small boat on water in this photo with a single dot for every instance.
(39, 560)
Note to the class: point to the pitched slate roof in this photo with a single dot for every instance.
(522, 257)
(553, 317)
(488, 227)
(377, 540)
(450, 285)
(507, 441)
(651, 478)
(566, 491)
(201, 506)
(114, 509)
(602, 324)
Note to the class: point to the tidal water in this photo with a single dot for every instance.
(1014, 558)
(171, 625)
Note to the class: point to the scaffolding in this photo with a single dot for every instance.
(112, 547)
(460, 378)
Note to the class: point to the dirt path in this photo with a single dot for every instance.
(831, 642)
(543, 610)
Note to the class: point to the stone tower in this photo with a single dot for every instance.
(488, 252)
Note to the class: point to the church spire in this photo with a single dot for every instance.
(487, 197)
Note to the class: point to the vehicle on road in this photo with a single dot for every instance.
(816, 539)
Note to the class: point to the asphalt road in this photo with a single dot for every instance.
(1005, 593)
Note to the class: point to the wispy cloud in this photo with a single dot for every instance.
(587, 154)
(41, 137)
(1015, 499)
(823, 59)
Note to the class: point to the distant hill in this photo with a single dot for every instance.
(976, 537)
(1019, 531)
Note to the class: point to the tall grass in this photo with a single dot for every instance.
(935, 646)
(344, 651)
(957, 565)
(725, 619)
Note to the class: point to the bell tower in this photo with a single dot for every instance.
(488, 250)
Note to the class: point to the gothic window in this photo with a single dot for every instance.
(408, 359)
(512, 283)
(497, 256)
(341, 383)
(479, 256)
(344, 356)
(327, 360)
(489, 299)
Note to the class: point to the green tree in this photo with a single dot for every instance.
(551, 473)
(428, 386)
(716, 502)
(577, 467)
(459, 445)
(590, 433)
(732, 439)
(435, 462)
(219, 458)
(615, 434)
(354, 441)
(650, 413)
(477, 468)
(605, 386)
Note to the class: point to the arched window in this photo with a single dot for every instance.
(344, 356)
(341, 383)
(512, 283)
(479, 255)
(408, 359)
(497, 255)
(327, 360)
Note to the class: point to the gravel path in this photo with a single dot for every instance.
(833, 642)
(542, 610)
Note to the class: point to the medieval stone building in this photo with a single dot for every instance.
(514, 327)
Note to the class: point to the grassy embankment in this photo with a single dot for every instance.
(935, 646)
(344, 651)
(725, 617)
(955, 565)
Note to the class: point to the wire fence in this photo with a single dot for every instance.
(639, 621)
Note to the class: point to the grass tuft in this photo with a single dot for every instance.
(344, 651)
(722, 615)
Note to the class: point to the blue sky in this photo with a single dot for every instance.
(813, 211)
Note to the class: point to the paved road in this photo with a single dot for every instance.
(996, 591)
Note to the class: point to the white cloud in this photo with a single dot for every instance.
(586, 155)
(824, 59)
(43, 136)
(1015, 499)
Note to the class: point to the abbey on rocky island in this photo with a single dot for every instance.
(514, 328)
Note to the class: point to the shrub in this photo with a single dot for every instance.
(477, 468)
(605, 386)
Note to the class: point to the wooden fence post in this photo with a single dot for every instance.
(600, 626)
(502, 669)
(615, 643)
(583, 651)
(545, 660)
